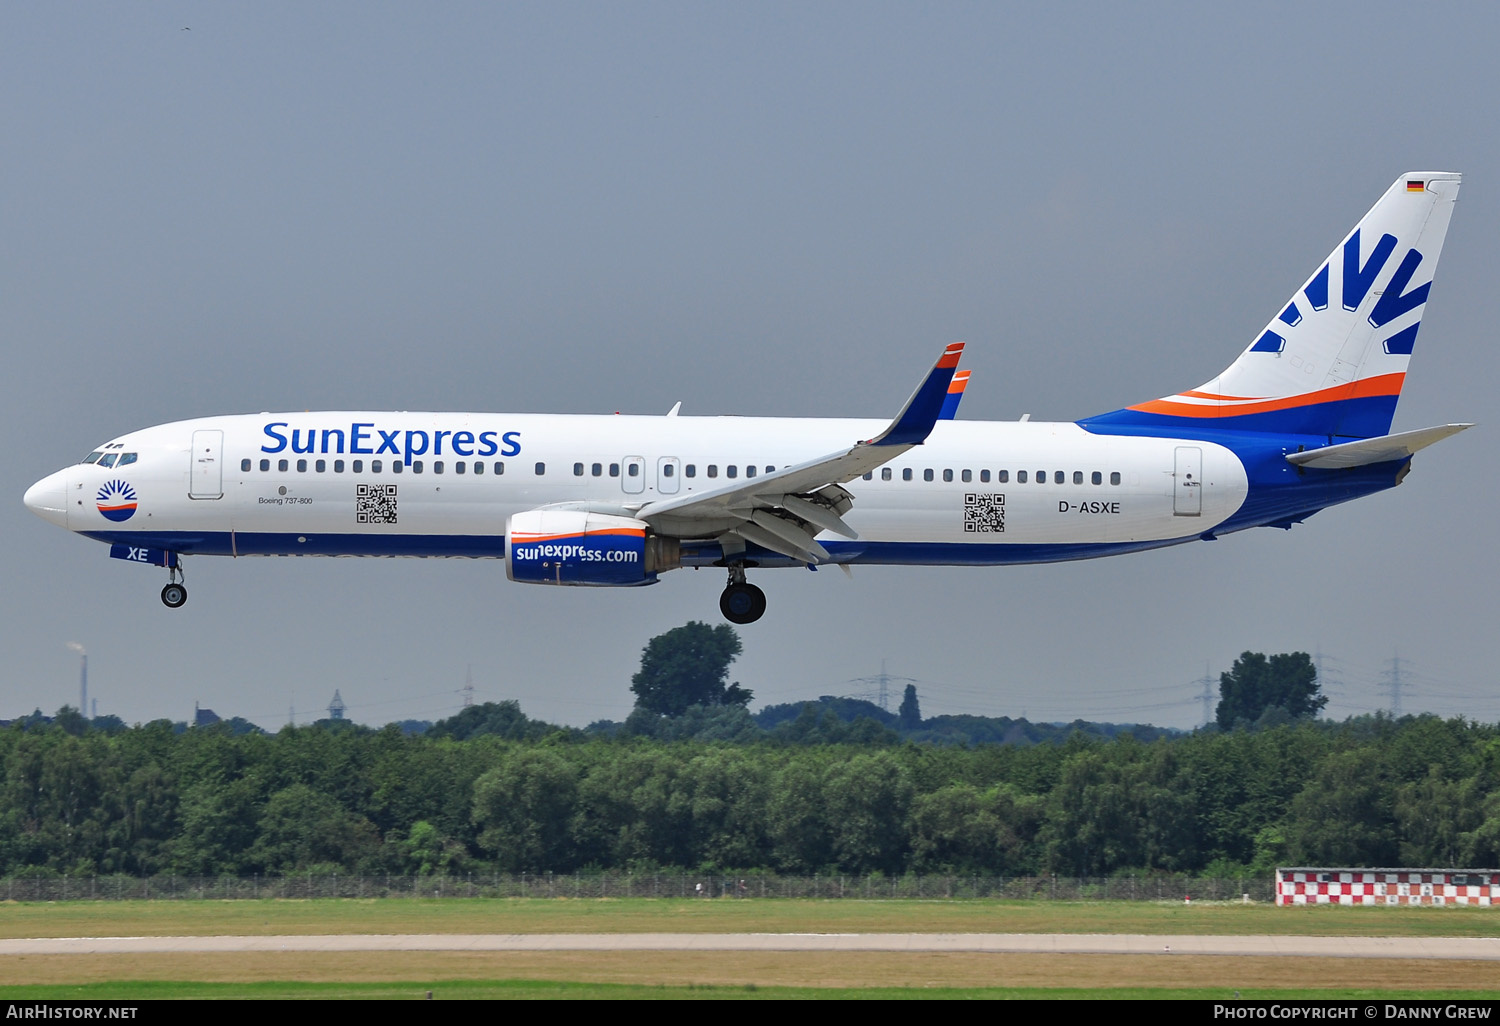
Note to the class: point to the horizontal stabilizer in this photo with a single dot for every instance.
(1374, 450)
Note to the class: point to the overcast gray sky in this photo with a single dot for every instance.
(781, 209)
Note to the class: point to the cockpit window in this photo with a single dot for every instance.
(108, 460)
(126, 457)
(92, 457)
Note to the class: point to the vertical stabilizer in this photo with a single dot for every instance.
(1333, 360)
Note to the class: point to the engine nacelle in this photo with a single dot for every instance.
(576, 547)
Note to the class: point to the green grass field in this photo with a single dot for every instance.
(520, 990)
(727, 975)
(772, 915)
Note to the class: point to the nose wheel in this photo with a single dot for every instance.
(175, 593)
(741, 602)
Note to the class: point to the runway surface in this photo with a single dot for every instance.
(1475, 948)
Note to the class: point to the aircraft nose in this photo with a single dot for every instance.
(48, 498)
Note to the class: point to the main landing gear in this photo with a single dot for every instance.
(175, 593)
(741, 602)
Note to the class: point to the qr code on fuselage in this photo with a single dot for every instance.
(984, 513)
(375, 504)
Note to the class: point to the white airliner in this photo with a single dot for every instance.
(1298, 422)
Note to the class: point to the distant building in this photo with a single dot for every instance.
(336, 707)
(204, 717)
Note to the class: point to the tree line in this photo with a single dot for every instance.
(520, 796)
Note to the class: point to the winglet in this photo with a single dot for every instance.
(955, 395)
(913, 424)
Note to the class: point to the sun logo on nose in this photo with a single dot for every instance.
(116, 500)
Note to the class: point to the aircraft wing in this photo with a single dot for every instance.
(784, 510)
(1374, 450)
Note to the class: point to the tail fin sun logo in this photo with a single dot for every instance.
(116, 500)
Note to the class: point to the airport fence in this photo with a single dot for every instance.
(936, 887)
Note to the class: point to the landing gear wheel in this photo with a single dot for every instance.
(174, 595)
(742, 603)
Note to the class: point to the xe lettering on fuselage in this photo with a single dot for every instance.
(366, 439)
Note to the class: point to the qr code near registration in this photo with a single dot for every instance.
(375, 504)
(984, 513)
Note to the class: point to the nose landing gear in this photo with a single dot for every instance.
(175, 593)
(741, 601)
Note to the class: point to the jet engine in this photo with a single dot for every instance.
(577, 547)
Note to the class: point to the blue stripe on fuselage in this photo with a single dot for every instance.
(1364, 417)
(243, 543)
(893, 553)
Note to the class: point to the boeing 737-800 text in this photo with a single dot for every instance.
(1298, 422)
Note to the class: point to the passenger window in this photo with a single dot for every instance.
(301, 466)
(265, 465)
(396, 466)
(499, 467)
(614, 470)
(713, 470)
(478, 467)
(750, 471)
(906, 473)
(770, 470)
(885, 473)
(1041, 477)
(460, 467)
(416, 466)
(968, 476)
(244, 464)
(633, 470)
(338, 466)
(374, 466)
(927, 474)
(1097, 478)
(126, 459)
(1078, 477)
(281, 465)
(984, 476)
(597, 470)
(1020, 477)
(109, 461)
(541, 469)
(1058, 477)
(666, 470)
(358, 467)
(731, 471)
(691, 470)
(320, 466)
(437, 466)
(947, 475)
(1114, 477)
(578, 470)
(869, 475)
